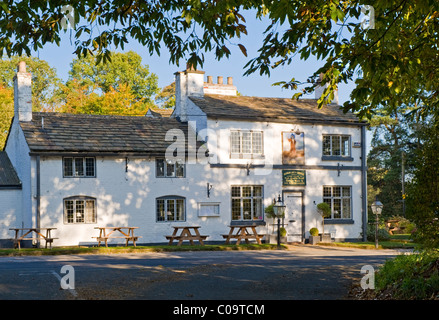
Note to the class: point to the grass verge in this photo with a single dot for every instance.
(137, 249)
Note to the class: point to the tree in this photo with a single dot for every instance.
(325, 211)
(45, 82)
(423, 192)
(122, 86)
(393, 60)
(166, 97)
(6, 112)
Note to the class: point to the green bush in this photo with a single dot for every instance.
(383, 234)
(314, 231)
(414, 276)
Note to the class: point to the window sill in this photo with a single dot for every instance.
(246, 156)
(248, 222)
(339, 221)
(337, 158)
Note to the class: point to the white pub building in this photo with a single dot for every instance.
(219, 159)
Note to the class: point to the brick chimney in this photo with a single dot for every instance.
(22, 93)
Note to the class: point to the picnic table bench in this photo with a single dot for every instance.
(243, 233)
(127, 235)
(28, 231)
(185, 234)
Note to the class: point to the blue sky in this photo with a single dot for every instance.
(61, 56)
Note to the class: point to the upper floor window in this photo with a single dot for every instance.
(79, 167)
(246, 143)
(168, 169)
(79, 209)
(336, 146)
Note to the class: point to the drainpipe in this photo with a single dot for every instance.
(38, 193)
(364, 182)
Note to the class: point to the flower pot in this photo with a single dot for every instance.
(326, 237)
(314, 239)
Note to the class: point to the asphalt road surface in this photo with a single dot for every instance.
(301, 273)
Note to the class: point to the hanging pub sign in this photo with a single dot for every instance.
(293, 147)
(293, 178)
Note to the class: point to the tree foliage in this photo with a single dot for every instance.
(6, 112)
(394, 63)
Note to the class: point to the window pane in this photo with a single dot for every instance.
(160, 210)
(160, 167)
(246, 191)
(346, 214)
(337, 208)
(257, 142)
(247, 209)
(90, 167)
(79, 167)
(80, 210)
(179, 172)
(327, 191)
(236, 191)
(336, 148)
(235, 142)
(68, 167)
(329, 202)
(345, 146)
(69, 211)
(257, 191)
(170, 209)
(236, 209)
(346, 191)
(90, 212)
(257, 209)
(180, 210)
(170, 169)
(336, 191)
(246, 142)
(326, 145)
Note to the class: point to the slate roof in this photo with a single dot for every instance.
(62, 132)
(8, 176)
(272, 109)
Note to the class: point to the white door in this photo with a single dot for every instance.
(293, 216)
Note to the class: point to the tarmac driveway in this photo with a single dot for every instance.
(303, 272)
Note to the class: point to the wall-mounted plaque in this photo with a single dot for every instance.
(293, 178)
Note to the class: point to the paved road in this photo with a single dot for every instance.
(302, 272)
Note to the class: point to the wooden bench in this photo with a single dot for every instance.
(243, 234)
(186, 235)
(47, 237)
(128, 236)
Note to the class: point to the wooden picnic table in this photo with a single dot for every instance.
(128, 235)
(186, 234)
(243, 233)
(28, 231)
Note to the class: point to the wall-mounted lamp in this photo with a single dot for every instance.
(209, 187)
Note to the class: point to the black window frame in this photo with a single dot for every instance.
(76, 163)
(166, 165)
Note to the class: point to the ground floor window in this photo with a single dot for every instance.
(171, 208)
(79, 210)
(339, 198)
(247, 203)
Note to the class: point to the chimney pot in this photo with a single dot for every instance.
(230, 80)
(220, 80)
(209, 79)
(21, 66)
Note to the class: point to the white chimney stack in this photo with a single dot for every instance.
(22, 93)
(188, 83)
(319, 90)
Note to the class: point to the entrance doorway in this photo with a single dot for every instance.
(294, 215)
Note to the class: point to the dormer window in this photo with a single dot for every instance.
(79, 167)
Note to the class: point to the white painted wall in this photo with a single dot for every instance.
(10, 211)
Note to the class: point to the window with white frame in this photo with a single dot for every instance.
(247, 203)
(169, 169)
(339, 198)
(170, 208)
(336, 145)
(79, 209)
(79, 167)
(246, 143)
